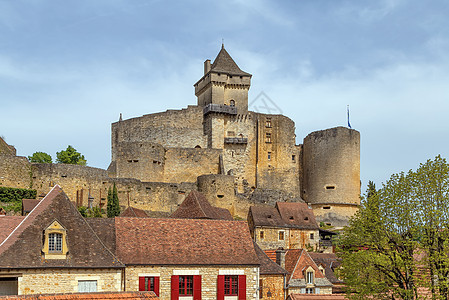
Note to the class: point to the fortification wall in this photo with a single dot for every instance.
(171, 129)
(6, 149)
(331, 160)
(15, 171)
(184, 165)
(140, 160)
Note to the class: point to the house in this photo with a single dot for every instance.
(54, 250)
(87, 296)
(272, 277)
(196, 206)
(288, 225)
(193, 258)
(134, 213)
(328, 263)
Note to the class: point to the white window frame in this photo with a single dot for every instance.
(309, 277)
(87, 286)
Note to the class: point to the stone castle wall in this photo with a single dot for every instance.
(15, 171)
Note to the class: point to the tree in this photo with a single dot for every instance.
(113, 206)
(399, 240)
(40, 157)
(70, 156)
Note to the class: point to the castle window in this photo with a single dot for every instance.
(306, 218)
(197, 147)
(326, 207)
(261, 235)
(293, 158)
(268, 137)
(230, 76)
(220, 196)
(135, 160)
(130, 160)
(281, 235)
(269, 155)
(268, 123)
(330, 187)
(232, 102)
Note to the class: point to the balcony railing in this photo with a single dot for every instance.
(220, 108)
(235, 140)
(325, 243)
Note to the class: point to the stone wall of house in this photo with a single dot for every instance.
(297, 290)
(293, 238)
(209, 277)
(334, 214)
(50, 281)
(272, 287)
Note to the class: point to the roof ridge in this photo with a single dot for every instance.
(26, 217)
(198, 202)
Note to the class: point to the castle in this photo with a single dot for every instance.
(234, 156)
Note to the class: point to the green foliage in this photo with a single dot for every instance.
(94, 212)
(70, 156)
(40, 157)
(12, 198)
(399, 239)
(113, 206)
(8, 194)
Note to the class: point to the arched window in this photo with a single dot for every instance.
(232, 103)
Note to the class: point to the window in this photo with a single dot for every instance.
(309, 277)
(232, 103)
(269, 155)
(309, 291)
(268, 123)
(293, 158)
(312, 236)
(185, 285)
(87, 286)
(267, 137)
(262, 235)
(330, 187)
(55, 242)
(281, 235)
(149, 283)
(9, 286)
(231, 285)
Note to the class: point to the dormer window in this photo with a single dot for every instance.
(55, 242)
(309, 277)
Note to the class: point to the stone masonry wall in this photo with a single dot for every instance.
(273, 284)
(293, 238)
(209, 277)
(15, 171)
(48, 281)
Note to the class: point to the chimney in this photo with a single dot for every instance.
(206, 66)
(280, 257)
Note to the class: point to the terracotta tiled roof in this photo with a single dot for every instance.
(196, 206)
(316, 297)
(329, 261)
(146, 241)
(271, 254)
(29, 204)
(7, 225)
(267, 266)
(133, 212)
(291, 258)
(285, 214)
(225, 64)
(85, 248)
(105, 295)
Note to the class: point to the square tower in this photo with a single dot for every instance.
(224, 86)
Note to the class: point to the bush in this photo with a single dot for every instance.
(8, 194)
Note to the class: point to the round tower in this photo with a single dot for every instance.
(331, 174)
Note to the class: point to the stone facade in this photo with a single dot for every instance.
(209, 277)
(270, 238)
(272, 287)
(47, 281)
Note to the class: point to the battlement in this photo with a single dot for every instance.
(220, 108)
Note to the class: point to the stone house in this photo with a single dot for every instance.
(196, 206)
(54, 250)
(287, 225)
(304, 275)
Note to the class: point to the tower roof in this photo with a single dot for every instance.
(225, 64)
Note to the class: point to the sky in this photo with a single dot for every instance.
(69, 68)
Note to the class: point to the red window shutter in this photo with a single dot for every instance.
(175, 287)
(220, 287)
(242, 287)
(141, 283)
(197, 287)
(156, 286)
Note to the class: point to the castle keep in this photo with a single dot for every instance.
(234, 156)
